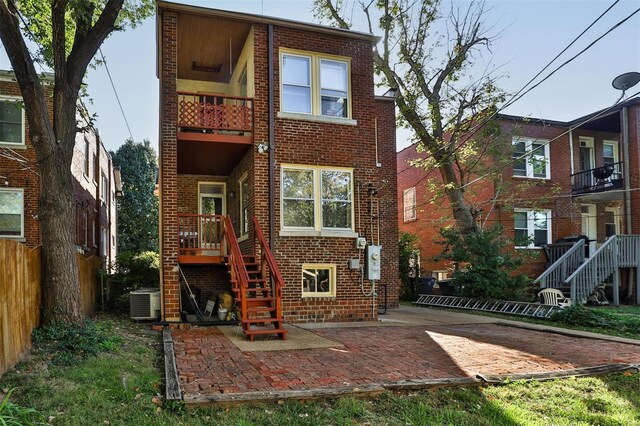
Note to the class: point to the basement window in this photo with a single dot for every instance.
(318, 280)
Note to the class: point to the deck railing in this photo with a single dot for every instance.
(239, 277)
(200, 234)
(618, 251)
(214, 113)
(556, 274)
(600, 179)
(267, 260)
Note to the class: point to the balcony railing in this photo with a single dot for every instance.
(604, 178)
(200, 235)
(215, 114)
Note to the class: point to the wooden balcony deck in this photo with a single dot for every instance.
(200, 239)
(215, 118)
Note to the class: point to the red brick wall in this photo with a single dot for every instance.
(297, 142)
(29, 181)
(168, 166)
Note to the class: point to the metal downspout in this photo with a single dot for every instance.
(272, 159)
(627, 175)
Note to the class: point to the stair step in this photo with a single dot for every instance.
(259, 320)
(281, 332)
(257, 280)
(260, 309)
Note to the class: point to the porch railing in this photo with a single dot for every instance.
(200, 234)
(563, 266)
(239, 276)
(600, 179)
(618, 251)
(214, 113)
(269, 261)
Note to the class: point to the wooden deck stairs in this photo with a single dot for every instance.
(257, 286)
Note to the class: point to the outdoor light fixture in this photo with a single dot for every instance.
(231, 194)
(262, 148)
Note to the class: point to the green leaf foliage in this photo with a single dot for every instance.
(37, 15)
(486, 264)
(138, 207)
(132, 271)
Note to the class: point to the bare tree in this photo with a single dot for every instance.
(68, 33)
(427, 57)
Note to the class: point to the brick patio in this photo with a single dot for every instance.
(210, 364)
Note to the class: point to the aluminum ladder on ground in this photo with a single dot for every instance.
(536, 310)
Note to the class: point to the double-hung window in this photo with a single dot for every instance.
(532, 228)
(11, 213)
(531, 158)
(11, 122)
(317, 198)
(409, 204)
(315, 84)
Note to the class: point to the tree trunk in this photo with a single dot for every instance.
(461, 210)
(60, 283)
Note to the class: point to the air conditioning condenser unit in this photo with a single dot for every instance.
(144, 304)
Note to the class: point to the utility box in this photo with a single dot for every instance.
(373, 262)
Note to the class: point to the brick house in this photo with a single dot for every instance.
(95, 181)
(565, 179)
(276, 157)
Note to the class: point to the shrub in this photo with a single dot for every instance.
(488, 264)
(585, 317)
(15, 415)
(68, 344)
(133, 271)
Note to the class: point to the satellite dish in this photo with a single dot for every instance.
(626, 80)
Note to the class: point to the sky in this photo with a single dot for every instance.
(532, 32)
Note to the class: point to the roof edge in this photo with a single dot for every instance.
(249, 17)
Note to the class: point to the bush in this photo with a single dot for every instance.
(68, 344)
(488, 264)
(133, 271)
(585, 317)
(15, 415)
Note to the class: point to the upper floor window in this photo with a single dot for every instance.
(532, 228)
(315, 84)
(11, 213)
(317, 198)
(87, 157)
(409, 202)
(531, 158)
(11, 121)
(104, 188)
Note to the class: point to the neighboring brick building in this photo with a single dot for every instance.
(94, 181)
(554, 186)
(307, 149)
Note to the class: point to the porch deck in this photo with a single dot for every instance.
(200, 239)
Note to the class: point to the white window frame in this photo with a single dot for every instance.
(332, 280)
(244, 222)
(315, 87)
(20, 190)
(529, 167)
(317, 229)
(409, 204)
(22, 144)
(531, 227)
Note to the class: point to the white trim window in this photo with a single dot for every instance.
(532, 228)
(315, 84)
(318, 280)
(531, 158)
(11, 213)
(11, 121)
(317, 198)
(409, 204)
(243, 183)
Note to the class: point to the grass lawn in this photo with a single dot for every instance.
(122, 387)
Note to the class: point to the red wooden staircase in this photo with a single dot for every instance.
(257, 285)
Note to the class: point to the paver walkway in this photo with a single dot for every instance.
(209, 363)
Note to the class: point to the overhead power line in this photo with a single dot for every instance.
(106, 67)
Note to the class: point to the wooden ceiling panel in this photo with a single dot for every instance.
(209, 158)
(207, 42)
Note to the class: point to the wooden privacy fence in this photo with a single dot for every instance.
(20, 296)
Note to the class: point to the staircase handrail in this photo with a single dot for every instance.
(278, 281)
(597, 257)
(236, 262)
(573, 257)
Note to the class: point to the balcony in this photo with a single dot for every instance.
(599, 183)
(200, 239)
(214, 132)
(214, 117)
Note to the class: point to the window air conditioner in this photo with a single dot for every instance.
(144, 304)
